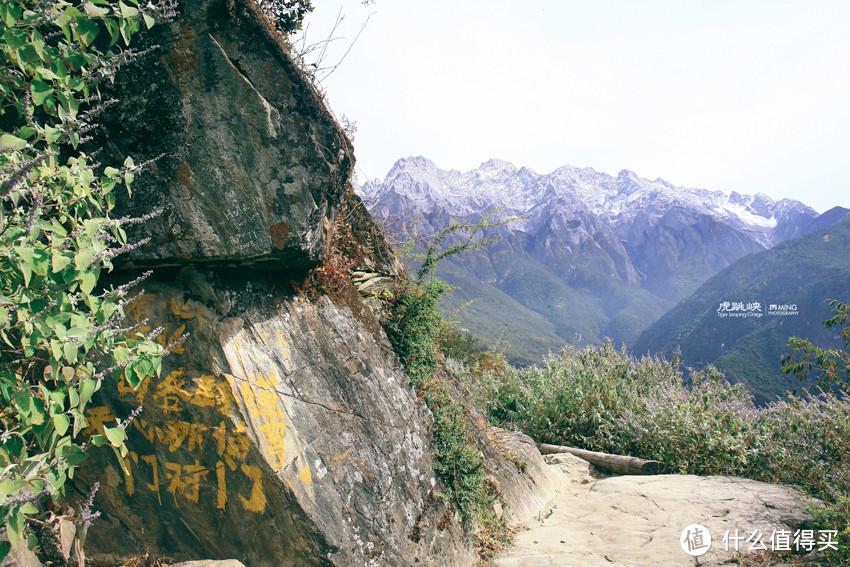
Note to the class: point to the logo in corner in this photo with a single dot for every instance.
(695, 540)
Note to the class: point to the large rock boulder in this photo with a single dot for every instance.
(282, 430)
(252, 162)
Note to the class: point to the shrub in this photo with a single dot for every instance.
(286, 15)
(830, 365)
(416, 329)
(60, 335)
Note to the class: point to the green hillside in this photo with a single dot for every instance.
(519, 307)
(803, 272)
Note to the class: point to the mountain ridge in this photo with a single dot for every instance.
(595, 255)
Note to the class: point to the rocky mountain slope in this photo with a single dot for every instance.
(592, 255)
(779, 293)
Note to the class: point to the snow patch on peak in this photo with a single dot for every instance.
(497, 164)
(412, 164)
(619, 200)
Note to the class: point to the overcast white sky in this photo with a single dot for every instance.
(746, 96)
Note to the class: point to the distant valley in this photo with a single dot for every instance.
(591, 256)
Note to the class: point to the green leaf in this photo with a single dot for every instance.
(87, 31)
(15, 526)
(50, 106)
(40, 91)
(149, 20)
(88, 280)
(72, 454)
(95, 11)
(47, 74)
(128, 11)
(10, 141)
(112, 28)
(83, 260)
(15, 39)
(61, 422)
(51, 134)
(70, 352)
(60, 262)
(116, 435)
(87, 389)
(26, 271)
(23, 401)
(10, 14)
(5, 547)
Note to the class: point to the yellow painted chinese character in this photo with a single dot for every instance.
(275, 436)
(153, 486)
(232, 445)
(171, 390)
(96, 417)
(257, 501)
(185, 480)
(221, 494)
(139, 393)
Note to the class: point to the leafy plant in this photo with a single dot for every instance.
(832, 365)
(603, 399)
(286, 15)
(415, 328)
(60, 335)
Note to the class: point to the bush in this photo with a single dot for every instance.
(416, 329)
(286, 15)
(59, 334)
(602, 399)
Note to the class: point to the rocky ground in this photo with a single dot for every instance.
(636, 521)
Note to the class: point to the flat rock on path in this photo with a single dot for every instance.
(636, 521)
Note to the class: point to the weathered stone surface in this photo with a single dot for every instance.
(253, 162)
(637, 521)
(282, 431)
(20, 556)
(209, 563)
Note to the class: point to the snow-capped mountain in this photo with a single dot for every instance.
(417, 184)
(593, 254)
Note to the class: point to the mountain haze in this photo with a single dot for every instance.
(592, 255)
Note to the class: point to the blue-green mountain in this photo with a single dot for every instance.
(741, 318)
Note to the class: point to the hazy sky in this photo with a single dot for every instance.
(746, 96)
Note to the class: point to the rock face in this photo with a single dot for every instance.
(282, 430)
(251, 162)
(638, 521)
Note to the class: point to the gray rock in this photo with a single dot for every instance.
(19, 555)
(252, 164)
(282, 430)
(636, 521)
